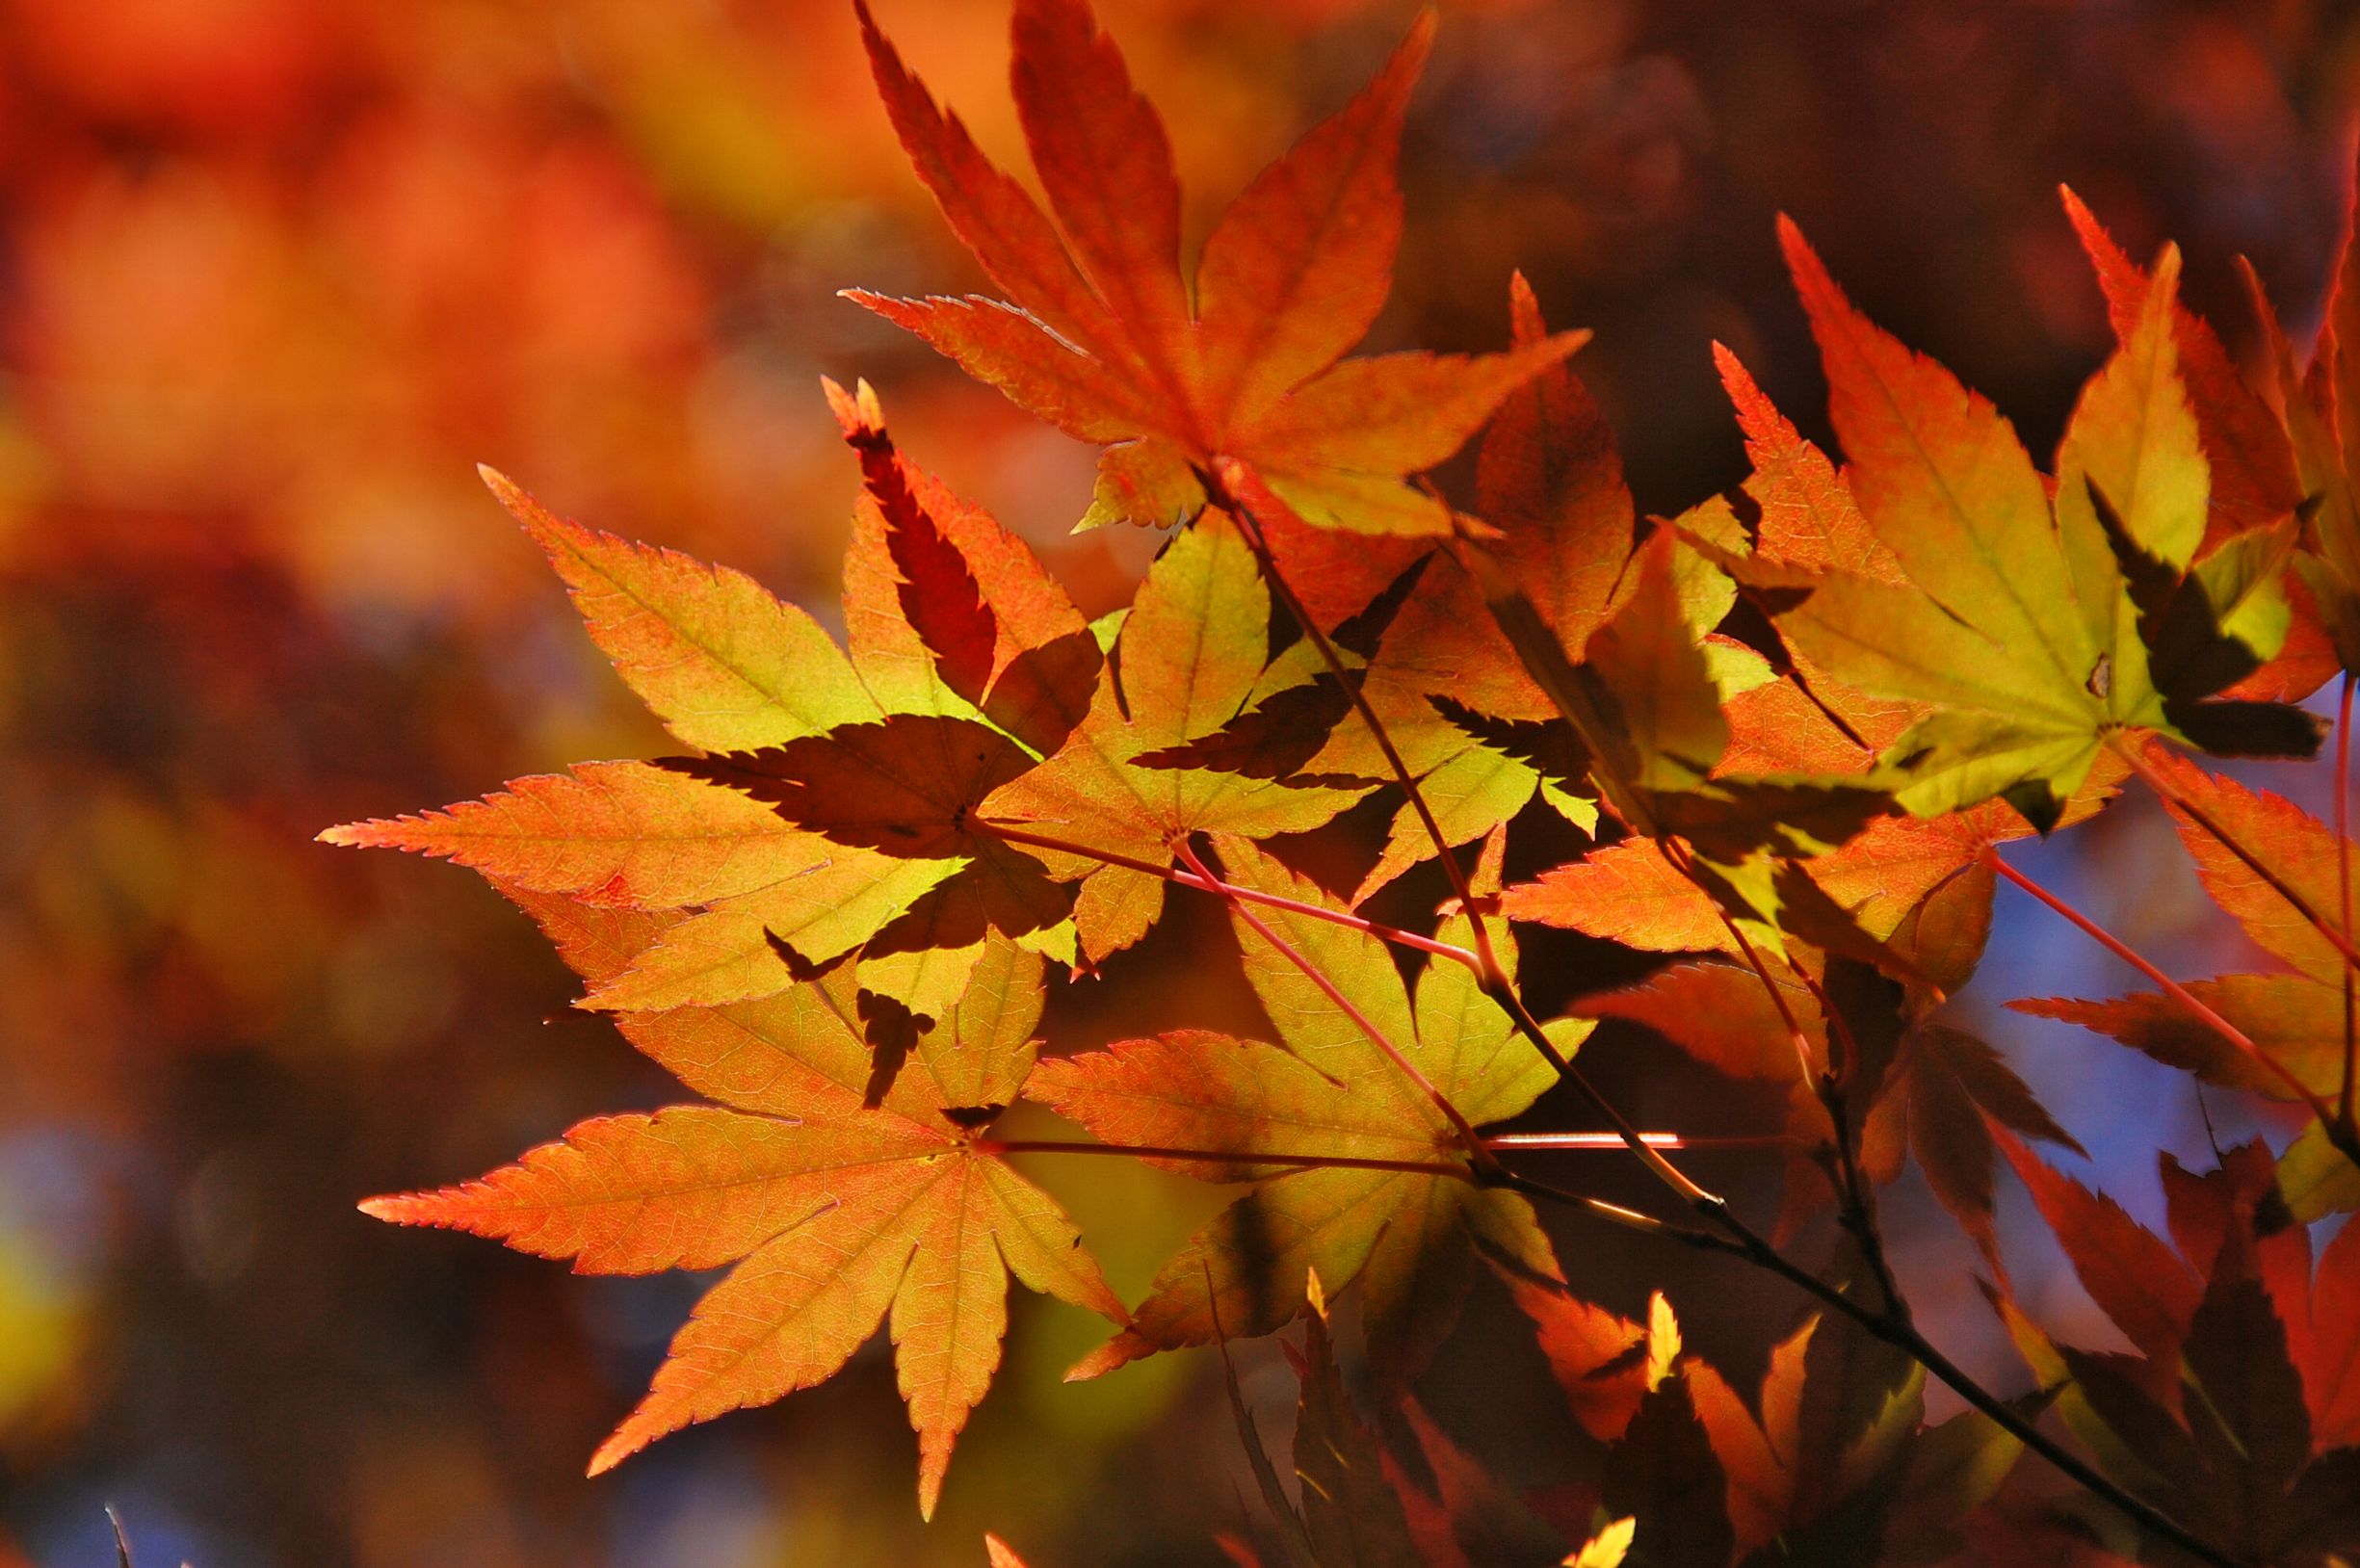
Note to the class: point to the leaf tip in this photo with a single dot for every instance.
(1745, 392)
(544, 526)
(859, 412)
(1812, 280)
(929, 1485)
(1419, 41)
(877, 304)
(626, 1441)
(1118, 1351)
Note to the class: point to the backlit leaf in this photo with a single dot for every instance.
(708, 649)
(832, 1219)
(1100, 339)
(1185, 664)
(2131, 1273)
(1405, 1236)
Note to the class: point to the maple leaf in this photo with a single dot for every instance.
(1480, 736)
(1352, 1514)
(1604, 1363)
(1404, 1234)
(1806, 514)
(1827, 1463)
(828, 814)
(1938, 1090)
(1644, 698)
(1879, 880)
(1356, 1510)
(1806, 521)
(2245, 445)
(2294, 852)
(1884, 879)
(2239, 1419)
(714, 655)
(2034, 632)
(1817, 1469)
(830, 1216)
(2276, 889)
(2295, 1021)
(1459, 1512)
(1104, 337)
(1629, 893)
(2316, 428)
(1663, 1472)
(1958, 1086)
(1608, 1547)
(1190, 658)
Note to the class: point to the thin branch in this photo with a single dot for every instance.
(1804, 1064)
(1157, 1151)
(1855, 1192)
(1889, 1324)
(1700, 1198)
(1855, 1196)
(1745, 1243)
(1465, 1129)
(2172, 988)
(1615, 1214)
(1230, 890)
(1907, 1340)
(1905, 1337)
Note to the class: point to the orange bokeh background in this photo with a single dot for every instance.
(275, 274)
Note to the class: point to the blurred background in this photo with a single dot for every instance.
(274, 274)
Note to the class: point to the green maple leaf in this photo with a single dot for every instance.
(2032, 632)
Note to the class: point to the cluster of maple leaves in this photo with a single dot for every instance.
(1793, 720)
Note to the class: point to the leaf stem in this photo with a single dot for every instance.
(1230, 890)
(1472, 1139)
(1241, 1157)
(1611, 1140)
(2172, 988)
(1742, 1239)
(1702, 1199)
(2178, 799)
(1225, 485)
